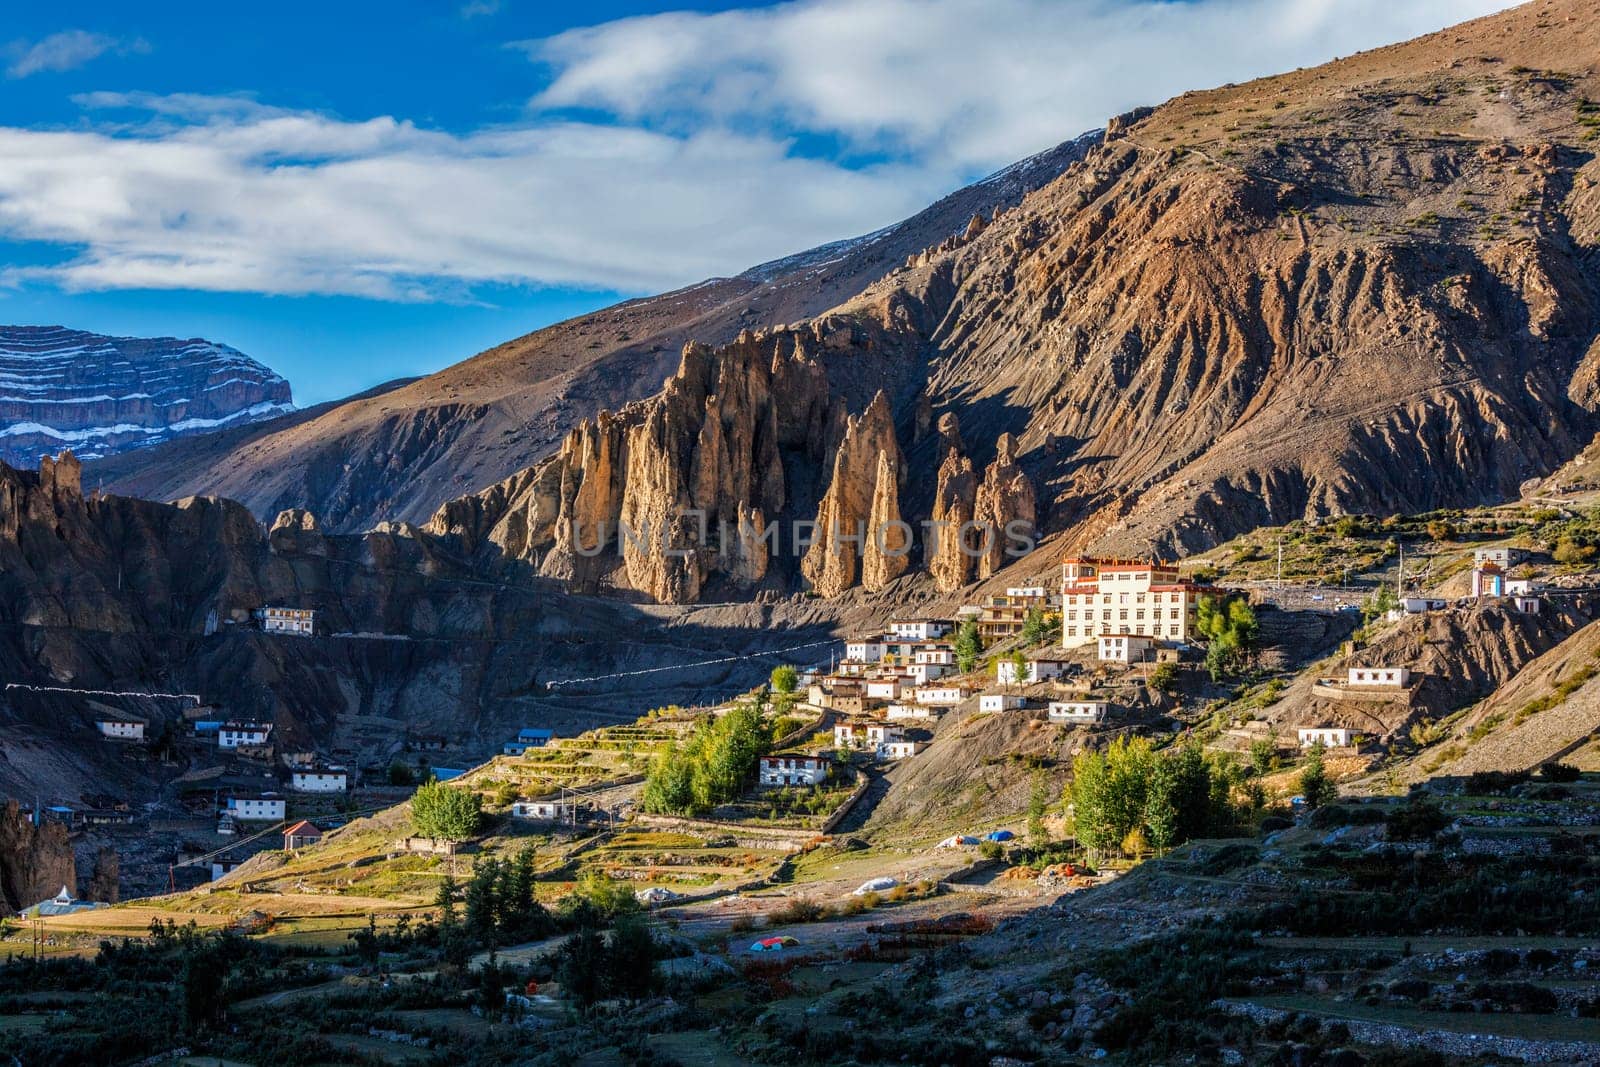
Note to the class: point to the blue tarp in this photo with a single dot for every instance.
(999, 835)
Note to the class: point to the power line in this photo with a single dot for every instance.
(685, 666)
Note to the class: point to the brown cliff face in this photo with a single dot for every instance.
(670, 493)
(1004, 508)
(35, 861)
(864, 486)
(949, 562)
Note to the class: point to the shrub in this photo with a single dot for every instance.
(1559, 772)
(1415, 821)
(1165, 677)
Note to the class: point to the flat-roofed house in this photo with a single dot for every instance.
(120, 729)
(239, 734)
(1078, 712)
(1001, 702)
(792, 769)
(918, 629)
(1327, 736)
(319, 780)
(1388, 677)
(1125, 648)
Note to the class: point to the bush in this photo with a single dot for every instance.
(1415, 821)
(1165, 677)
(1480, 782)
(1559, 772)
(991, 850)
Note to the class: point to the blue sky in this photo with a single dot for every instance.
(353, 192)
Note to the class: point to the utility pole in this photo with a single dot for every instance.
(1400, 575)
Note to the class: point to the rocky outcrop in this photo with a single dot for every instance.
(104, 395)
(950, 563)
(1005, 510)
(35, 861)
(864, 486)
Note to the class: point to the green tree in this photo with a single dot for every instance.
(1019, 667)
(205, 970)
(445, 813)
(1315, 785)
(1036, 628)
(1230, 628)
(1087, 795)
(1380, 603)
(632, 955)
(968, 646)
(453, 942)
(785, 679)
(1038, 804)
(711, 766)
(1263, 756)
(1161, 806)
(480, 901)
(581, 966)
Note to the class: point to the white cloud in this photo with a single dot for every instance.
(970, 82)
(66, 50)
(703, 159)
(299, 203)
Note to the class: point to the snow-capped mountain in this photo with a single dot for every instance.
(100, 395)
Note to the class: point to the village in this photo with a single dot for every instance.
(1106, 649)
(915, 790)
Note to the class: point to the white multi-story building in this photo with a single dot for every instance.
(919, 629)
(298, 621)
(319, 780)
(120, 729)
(262, 807)
(793, 768)
(849, 734)
(878, 733)
(863, 650)
(1139, 597)
(1078, 712)
(919, 674)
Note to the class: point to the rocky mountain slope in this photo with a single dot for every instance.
(398, 456)
(1371, 287)
(106, 395)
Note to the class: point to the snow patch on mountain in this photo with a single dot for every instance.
(102, 395)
